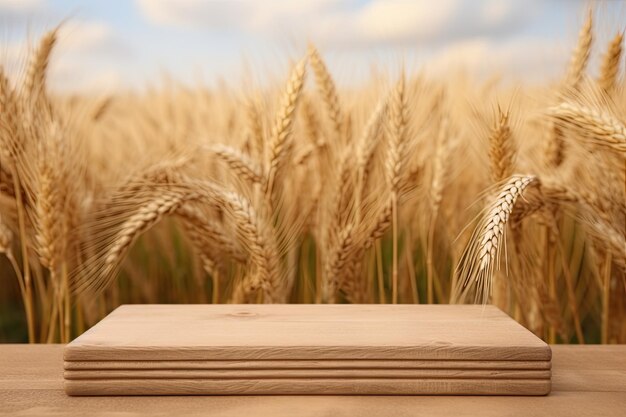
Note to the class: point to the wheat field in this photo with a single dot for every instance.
(408, 189)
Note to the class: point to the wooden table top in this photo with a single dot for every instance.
(587, 381)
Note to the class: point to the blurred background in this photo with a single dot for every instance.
(137, 80)
(108, 45)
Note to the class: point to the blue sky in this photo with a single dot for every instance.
(131, 44)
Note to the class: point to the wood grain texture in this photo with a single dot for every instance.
(307, 386)
(308, 364)
(305, 332)
(306, 373)
(271, 334)
(31, 384)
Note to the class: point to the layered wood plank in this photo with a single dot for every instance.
(308, 386)
(307, 349)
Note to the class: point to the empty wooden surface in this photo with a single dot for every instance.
(261, 332)
(586, 381)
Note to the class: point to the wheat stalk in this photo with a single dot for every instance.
(303, 207)
(555, 143)
(370, 139)
(327, 90)
(278, 144)
(554, 146)
(611, 64)
(580, 56)
(6, 237)
(340, 255)
(439, 167)
(12, 140)
(101, 108)
(594, 215)
(501, 148)
(211, 244)
(47, 208)
(436, 194)
(397, 138)
(259, 245)
(481, 256)
(255, 127)
(7, 115)
(100, 271)
(208, 236)
(348, 242)
(35, 81)
(12, 151)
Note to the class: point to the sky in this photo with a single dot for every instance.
(133, 44)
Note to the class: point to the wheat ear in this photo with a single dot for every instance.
(35, 81)
(259, 245)
(366, 148)
(347, 241)
(482, 255)
(278, 144)
(611, 63)
(12, 144)
(239, 163)
(101, 270)
(440, 167)
(501, 148)
(208, 236)
(594, 216)
(555, 143)
(580, 56)
(211, 244)
(47, 209)
(397, 123)
(554, 146)
(12, 141)
(327, 90)
(439, 173)
(600, 128)
(397, 136)
(255, 126)
(337, 261)
(398, 113)
(8, 115)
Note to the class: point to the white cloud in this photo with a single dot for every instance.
(81, 36)
(236, 15)
(345, 22)
(497, 11)
(88, 56)
(522, 57)
(398, 20)
(70, 75)
(21, 6)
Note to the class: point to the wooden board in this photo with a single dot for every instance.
(308, 364)
(307, 332)
(307, 349)
(305, 386)
(306, 373)
(587, 381)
